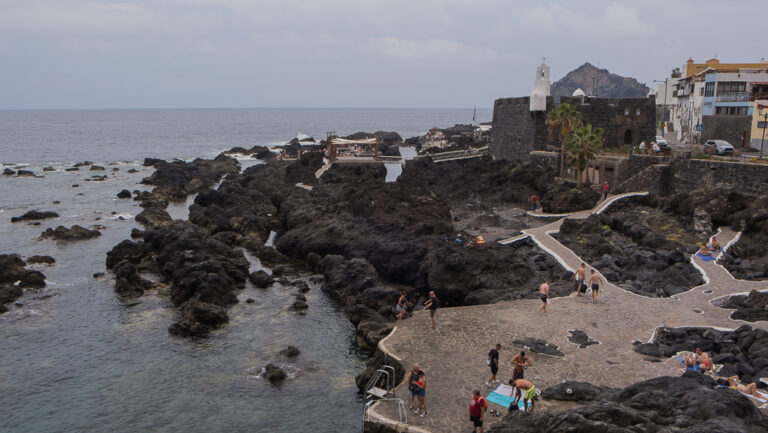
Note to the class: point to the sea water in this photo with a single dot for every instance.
(75, 358)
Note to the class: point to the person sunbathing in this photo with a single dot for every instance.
(715, 245)
(750, 389)
(704, 250)
(703, 360)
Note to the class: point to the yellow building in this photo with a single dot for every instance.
(693, 68)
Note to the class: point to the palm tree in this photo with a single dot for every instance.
(582, 145)
(563, 119)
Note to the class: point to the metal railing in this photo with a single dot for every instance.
(402, 413)
(733, 97)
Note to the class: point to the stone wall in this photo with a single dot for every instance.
(543, 159)
(518, 131)
(682, 174)
(727, 127)
(516, 128)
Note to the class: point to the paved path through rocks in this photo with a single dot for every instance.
(453, 355)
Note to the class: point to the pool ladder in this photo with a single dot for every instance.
(380, 387)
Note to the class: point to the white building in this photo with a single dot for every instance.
(540, 89)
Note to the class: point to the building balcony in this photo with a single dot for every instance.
(733, 97)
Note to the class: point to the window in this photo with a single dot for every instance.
(729, 88)
(637, 112)
(626, 111)
(709, 89)
(733, 111)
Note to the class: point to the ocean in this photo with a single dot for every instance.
(75, 358)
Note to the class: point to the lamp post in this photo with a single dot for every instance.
(665, 102)
(765, 123)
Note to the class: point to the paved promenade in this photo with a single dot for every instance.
(453, 355)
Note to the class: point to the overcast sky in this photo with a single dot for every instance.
(345, 53)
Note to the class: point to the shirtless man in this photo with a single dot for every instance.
(703, 360)
(527, 390)
(594, 281)
(520, 361)
(579, 276)
(544, 296)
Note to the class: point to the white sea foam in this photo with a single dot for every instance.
(125, 215)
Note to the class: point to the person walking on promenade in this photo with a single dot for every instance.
(401, 307)
(579, 276)
(534, 203)
(528, 392)
(493, 362)
(544, 296)
(421, 394)
(476, 411)
(431, 305)
(521, 361)
(594, 281)
(412, 378)
(606, 188)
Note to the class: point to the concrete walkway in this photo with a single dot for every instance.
(453, 355)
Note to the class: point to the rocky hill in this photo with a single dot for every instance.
(607, 85)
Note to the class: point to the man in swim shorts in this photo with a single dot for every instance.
(594, 281)
(527, 390)
(544, 296)
(520, 361)
(493, 362)
(580, 277)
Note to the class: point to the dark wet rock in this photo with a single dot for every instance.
(198, 320)
(133, 170)
(274, 374)
(751, 307)
(302, 286)
(261, 279)
(25, 173)
(689, 403)
(389, 141)
(250, 301)
(14, 277)
(76, 185)
(49, 169)
(290, 352)
(174, 181)
(137, 234)
(260, 152)
(8, 172)
(539, 346)
(35, 215)
(124, 194)
(96, 178)
(72, 169)
(578, 392)
(75, 233)
(98, 274)
(153, 216)
(741, 351)
(97, 168)
(299, 305)
(566, 197)
(581, 338)
(82, 164)
(203, 273)
(631, 254)
(153, 162)
(48, 260)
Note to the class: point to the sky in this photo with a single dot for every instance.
(346, 53)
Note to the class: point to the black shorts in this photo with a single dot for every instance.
(543, 297)
(518, 374)
(494, 369)
(432, 313)
(595, 287)
(478, 422)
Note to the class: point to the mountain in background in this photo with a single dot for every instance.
(607, 85)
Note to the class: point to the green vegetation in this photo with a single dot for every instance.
(581, 145)
(563, 119)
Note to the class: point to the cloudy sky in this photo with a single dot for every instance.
(345, 53)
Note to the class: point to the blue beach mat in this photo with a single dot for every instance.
(503, 400)
(688, 368)
(705, 258)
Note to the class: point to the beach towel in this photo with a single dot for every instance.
(503, 397)
(762, 399)
(706, 258)
(696, 369)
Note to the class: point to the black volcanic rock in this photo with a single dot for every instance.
(607, 85)
(14, 277)
(751, 307)
(687, 404)
(35, 215)
(75, 233)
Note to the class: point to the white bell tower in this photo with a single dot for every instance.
(540, 89)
